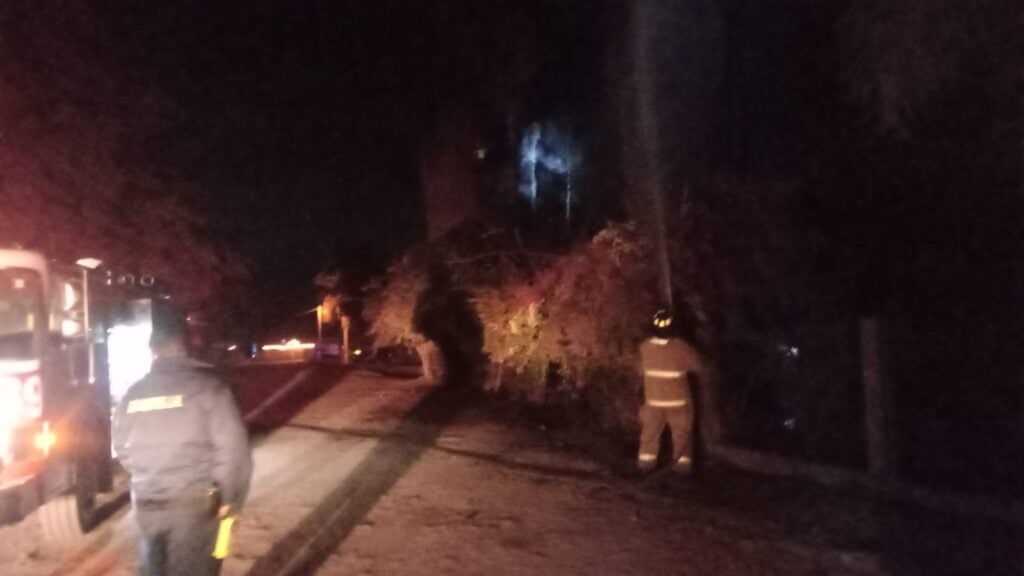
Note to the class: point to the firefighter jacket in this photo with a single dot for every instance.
(179, 432)
(666, 363)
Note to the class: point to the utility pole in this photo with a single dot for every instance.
(346, 322)
(645, 20)
(877, 400)
(320, 328)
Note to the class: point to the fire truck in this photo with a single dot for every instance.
(72, 338)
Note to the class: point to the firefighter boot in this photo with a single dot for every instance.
(680, 423)
(683, 466)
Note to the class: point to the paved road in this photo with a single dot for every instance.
(361, 474)
(270, 395)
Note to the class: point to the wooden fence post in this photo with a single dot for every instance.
(877, 402)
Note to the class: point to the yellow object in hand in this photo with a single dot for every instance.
(220, 550)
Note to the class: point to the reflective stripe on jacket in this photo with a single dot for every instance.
(666, 362)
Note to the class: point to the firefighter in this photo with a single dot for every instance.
(180, 435)
(667, 362)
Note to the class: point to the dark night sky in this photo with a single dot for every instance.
(298, 122)
(286, 114)
(299, 126)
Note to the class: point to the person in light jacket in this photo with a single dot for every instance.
(667, 363)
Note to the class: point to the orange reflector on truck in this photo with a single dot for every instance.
(46, 439)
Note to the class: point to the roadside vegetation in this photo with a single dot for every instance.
(85, 169)
(559, 330)
(556, 329)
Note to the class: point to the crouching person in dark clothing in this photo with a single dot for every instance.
(180, 435)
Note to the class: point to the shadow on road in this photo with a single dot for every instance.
(269, 397)
(472, 454)
(316, 537)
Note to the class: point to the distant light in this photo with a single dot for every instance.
(233, 347)
(358, 352)
(787, 350)
(293, 344)
(481, 153)
(69, 328)
(90, 263)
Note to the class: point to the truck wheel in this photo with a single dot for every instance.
(67, 518)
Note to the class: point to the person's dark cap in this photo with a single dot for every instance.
(169, 328)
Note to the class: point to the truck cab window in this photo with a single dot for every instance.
(21, 311)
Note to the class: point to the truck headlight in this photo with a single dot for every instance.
(10, 400)
(10, 412)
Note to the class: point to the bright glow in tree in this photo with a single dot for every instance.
(554, 150)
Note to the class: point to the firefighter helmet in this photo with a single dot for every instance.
(662, 319)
